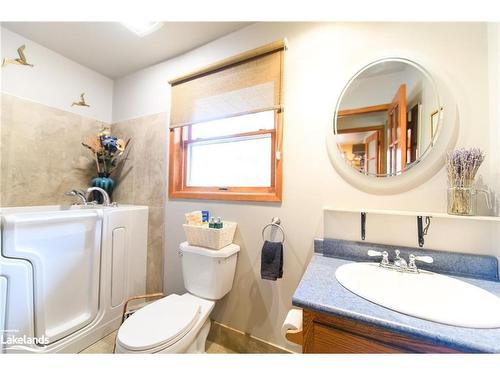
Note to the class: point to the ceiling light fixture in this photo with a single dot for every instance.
(142, 28)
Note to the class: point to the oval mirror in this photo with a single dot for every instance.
(387, 118)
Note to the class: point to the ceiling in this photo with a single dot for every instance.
(384, 67)
(353, 138)
(113, 50)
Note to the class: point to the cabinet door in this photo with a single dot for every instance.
(325, 333)
(331, 340)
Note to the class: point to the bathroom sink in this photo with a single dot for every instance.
(425, 295)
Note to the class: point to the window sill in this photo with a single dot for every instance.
(227, 196)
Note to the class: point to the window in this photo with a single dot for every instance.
(226, 129)
(241, 145)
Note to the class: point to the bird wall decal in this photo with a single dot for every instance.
(19, 61)
(81, 103)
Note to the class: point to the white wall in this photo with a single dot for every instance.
(494, 101)
(54, 80)
(494, 123)
(319, 61)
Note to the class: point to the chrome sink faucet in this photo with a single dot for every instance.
(399, 263)
(383, 254)
(424, 258)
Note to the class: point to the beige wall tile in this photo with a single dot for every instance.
(142, 179)
(42, 156)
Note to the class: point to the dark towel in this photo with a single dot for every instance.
(271, 260)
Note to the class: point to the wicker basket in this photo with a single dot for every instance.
(208, 237)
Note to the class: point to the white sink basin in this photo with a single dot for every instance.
(424, 295)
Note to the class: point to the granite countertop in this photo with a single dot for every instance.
(320, 291)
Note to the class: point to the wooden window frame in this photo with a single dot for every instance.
(178, 147)
(178, 155)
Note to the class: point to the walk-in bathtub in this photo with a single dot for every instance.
(65, 273)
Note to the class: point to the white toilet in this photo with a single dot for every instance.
(180, 323)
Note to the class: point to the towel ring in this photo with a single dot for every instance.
(275, 222)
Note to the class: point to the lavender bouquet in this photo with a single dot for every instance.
(462, 166)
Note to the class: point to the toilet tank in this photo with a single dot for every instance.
(208, 273)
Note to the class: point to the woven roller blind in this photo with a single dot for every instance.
(248, 83)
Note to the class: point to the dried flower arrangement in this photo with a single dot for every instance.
(462, 166)
(108, 151)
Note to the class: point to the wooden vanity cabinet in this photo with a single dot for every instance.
(324, 333)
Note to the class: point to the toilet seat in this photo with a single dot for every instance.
(160, 324)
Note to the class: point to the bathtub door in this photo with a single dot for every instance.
(3, 307)
(64, 248)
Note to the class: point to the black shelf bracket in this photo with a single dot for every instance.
(421, 230)
(363, 225)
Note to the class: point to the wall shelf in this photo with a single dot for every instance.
(440, 215)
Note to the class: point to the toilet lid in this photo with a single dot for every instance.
(161, 323)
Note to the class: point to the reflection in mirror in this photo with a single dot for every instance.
(387, 118)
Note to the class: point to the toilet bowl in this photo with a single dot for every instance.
(173, 324)
(180, 323)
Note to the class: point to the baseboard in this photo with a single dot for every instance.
(241, 342)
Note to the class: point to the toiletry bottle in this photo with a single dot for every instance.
(211, 223)
(218, 223)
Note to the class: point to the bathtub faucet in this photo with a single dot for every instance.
(78, 194)
(105, 197)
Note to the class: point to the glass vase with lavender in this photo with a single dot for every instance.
(462, 166)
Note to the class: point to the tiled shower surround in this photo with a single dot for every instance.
(143, 181)
(41, 153)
